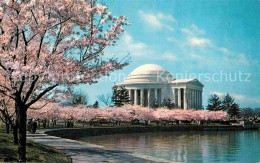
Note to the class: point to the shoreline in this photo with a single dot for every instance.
(76, 133)
(80, 151)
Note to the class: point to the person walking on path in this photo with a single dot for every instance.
(30, 125)
(33, 127)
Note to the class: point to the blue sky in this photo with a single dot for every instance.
(205, 38)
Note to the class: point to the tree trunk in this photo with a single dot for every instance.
(7, 127)
(14, 127)
(15, 135)
(48, 124)
(22, 133)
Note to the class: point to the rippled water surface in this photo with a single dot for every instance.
(219, 146)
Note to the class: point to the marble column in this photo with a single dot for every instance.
(176, 97)
(185, 98)
(131, 96)
(198, 106)
(149, 97)
(136, 97)
(189, 98)
(195, 99)
(179, 98)
(159, 96)
(194, 91)
(155, 94)
(142, 97)
(192, 99)
(200, 99)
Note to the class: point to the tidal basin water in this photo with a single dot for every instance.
(205, 146)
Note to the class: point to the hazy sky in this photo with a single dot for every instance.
(218, 41)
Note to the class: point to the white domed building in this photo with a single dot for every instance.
(150, 82)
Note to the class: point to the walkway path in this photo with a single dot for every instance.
(85, 152)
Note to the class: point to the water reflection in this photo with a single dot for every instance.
(220, 146)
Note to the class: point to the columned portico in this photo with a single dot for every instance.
(145, 97)
(147, 88)
(185, 98)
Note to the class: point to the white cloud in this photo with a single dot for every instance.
(169, 27)
(237, 59)
(166, 17)
(193, 30)
(193, 37)
(224, 50)
(234, 58)
(221, 95)
(136, 49)
(127, 45)
(158, 21)
(171, 39)
(169, 56)
(199, 41)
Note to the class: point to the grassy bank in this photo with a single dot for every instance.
(35, 152)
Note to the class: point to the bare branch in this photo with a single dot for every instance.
(41, 94)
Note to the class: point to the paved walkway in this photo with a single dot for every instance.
(85, 152)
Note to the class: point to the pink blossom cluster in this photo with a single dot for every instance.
(43, 43)
(125, 113)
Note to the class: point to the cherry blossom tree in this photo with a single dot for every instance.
(7, 111)
(126, 113)
(8, 116)
(45, 44)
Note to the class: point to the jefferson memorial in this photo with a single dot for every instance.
(150, 82)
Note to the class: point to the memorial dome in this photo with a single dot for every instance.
(149, 73)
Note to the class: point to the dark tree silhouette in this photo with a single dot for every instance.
(248, 113)
(234, 111)
(214, 103)
(227, 102)
(168, 103)
(120, 96)
(106, 100)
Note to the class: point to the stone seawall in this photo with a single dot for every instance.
(76, 133)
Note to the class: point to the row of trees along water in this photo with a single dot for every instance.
(121, 96)
(69, 106)
(46, 45)
(233, 109)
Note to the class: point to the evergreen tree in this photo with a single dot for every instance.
(234, 111)
(164, 102)
(116, 97)
(120, 96)
(79, 99)
(125, 95)
(214, 103)
(227, 102)
(156, 103)
(170, 105)
(167, 103)
(95, 105)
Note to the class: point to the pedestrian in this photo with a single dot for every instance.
(30, 125)
(34, 127)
